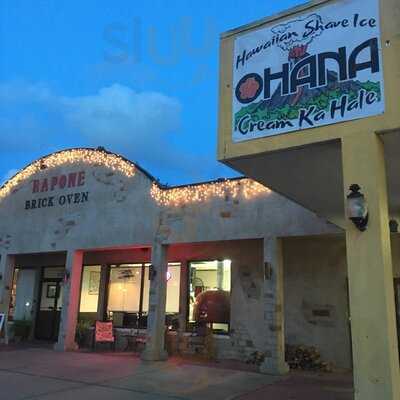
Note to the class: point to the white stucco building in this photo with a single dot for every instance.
(87, 235)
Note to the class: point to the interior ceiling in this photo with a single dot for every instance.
(312, 175)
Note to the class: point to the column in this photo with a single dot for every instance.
(36, 302)
(70, 307)
(103, 292)
(7, 265)
(155, 346)
(273, 309)
(369, 263)
(183, 296)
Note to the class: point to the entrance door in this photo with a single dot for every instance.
(24, 294)
(48, 317)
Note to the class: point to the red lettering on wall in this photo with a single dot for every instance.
(45, 186)
(81, 178)
(36, 186)
(54, 181)
(62, 181)
(72, 179)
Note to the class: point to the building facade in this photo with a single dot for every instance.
(87, 235)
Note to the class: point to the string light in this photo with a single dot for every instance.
(232, 188)
(86, 156)
(205, 191)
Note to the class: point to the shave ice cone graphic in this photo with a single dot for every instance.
(318, 69)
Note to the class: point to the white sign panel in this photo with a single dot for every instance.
(317, 68)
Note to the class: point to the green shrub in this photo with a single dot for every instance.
(22, 328)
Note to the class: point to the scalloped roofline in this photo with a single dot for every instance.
(134, 164)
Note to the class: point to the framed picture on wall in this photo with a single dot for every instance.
(51, 291)
(94, 282)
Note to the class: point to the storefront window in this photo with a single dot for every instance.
(173, 288)
(13, 297)
(128, 296)
(209, 300)
(124, 289)
(90, 292)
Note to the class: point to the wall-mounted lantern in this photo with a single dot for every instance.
(393, 226)
(152, 272)
(357, 209)
(67, 276)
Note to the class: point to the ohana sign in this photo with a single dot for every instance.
(49, 189)
(317, 69)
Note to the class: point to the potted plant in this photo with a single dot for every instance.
(22, 329)
(82, 329)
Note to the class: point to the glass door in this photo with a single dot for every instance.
(50, 305)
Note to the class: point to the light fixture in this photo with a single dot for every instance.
(67, 276)
(152, 272)
(89, 157)
(393, 226)
(357, 209)
(203, 192)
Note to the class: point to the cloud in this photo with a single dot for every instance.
(22, 92)
(142, 126)
(120, 117)
(137, 124)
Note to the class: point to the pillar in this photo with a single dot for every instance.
(70, 307)
(183, 296)
(220, 275)
(371, 294)
(155, 346)
(36, 302)
(7, 266)
(274, 362)
(103, 292)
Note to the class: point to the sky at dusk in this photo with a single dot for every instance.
(139, 78)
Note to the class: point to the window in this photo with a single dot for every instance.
(173, 288)
(209, 294)
(125, 288)
(13, 297)
(128, 293)
(90, 292)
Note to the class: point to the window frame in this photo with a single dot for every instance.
(144, 265)
(141, 291)
(80, 290)
(189, 263)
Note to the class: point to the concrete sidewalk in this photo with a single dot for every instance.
(37, 373)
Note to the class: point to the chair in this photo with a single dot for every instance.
(197, 339)
(118, 319)
(104, 333)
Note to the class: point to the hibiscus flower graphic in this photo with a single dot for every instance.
(248, 88)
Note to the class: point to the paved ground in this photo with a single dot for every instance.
(37, 373)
